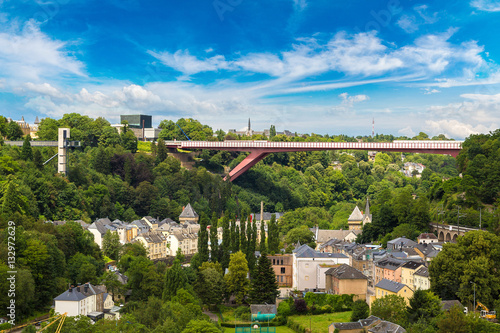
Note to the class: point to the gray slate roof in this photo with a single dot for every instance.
(390, 263)
(101, 225)
(263, 308)
(387, 327)
(390, 285)
(72, 295)
(447, 305)
(188, 212)
(345, 272)
(348, 326)
(424, 271)
(355, 215)
(404, 240)
(412, 265)
(305, 251)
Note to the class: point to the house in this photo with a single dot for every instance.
(99, 229)
(323, 236)
(426, 238)
(113, 313)
(142, 226)
(188, 215)
(86, 300)
(388, 287)
(309, 267)
(447, 305)
(187, 242)
(108, 301)
(426, 251)
(156, 244)
(266, 216)
(283, 269)
(370, 324)
(400, 243)
(346, 280)
(388, 268)
(421, 279)
(408, 270)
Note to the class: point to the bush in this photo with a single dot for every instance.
(284, 309)
(242, 313)
(360, 310)
(300, 306)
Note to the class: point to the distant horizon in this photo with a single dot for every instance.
(321, 66)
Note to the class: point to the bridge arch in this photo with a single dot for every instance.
(448, 237)
(441, 237)
(455, 238)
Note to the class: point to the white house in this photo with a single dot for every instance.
(309, 267)
(86, 300)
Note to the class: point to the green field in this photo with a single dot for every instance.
(320, 323)
(144, 146)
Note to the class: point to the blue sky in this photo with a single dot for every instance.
(323, 66)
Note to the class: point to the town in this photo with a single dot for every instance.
(124, 232)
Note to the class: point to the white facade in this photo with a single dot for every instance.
(97, 236)
(308, 273)
(71, 307)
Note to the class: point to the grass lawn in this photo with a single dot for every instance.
(320, 323)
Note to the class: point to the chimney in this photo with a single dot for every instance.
(78, 288)
(86, 287)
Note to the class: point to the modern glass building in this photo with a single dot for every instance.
(138, 120)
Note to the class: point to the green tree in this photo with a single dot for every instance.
(454, 321)
(203, 238)
(201, 326)
(236, 279)
(264, 286)
(14, 131)
(111, 245)
(273, 239)
(26, 151)
(175, 279)
(210, 276)
(424, 304)
(110, 280)
(360, 310)
(391, 308)
(263, 247)
(214, 239)
(161, 151)
(38, 159)
(300, 234)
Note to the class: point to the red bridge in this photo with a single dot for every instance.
(260, 149)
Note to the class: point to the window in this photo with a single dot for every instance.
(282, 278)
(282, 261)
(274, 261)
(282, 271)
(306, 278)
(307, 266)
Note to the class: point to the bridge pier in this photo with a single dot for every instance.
(253, 158)
(62, 163)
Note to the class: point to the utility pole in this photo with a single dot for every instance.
(458, 222)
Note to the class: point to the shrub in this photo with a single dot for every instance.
(300, 305)
(242, 313)
(284, 309)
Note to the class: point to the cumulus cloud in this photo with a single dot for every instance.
(43, 89)
(347, 104)
(455, 128)
(486, 5)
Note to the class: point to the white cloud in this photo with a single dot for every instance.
(486, 5)
(185, 63)
(429, 91)
(455, 128)
(43, 89)
(407, 23)
(407, 131)
(347, 104)
(27, 54)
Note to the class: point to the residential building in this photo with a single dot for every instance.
(387, 287)
(323, 236)
(188, 215)
(86, 300)
(142, 226)
(187, 242)
(388, 268)
(410, 168)
(427, 238)
(156, 243)
(421, 279)
(408, 270)
(426, 251)
(309, 267)
(283, 269)
(345, 279)
(400, 243)
(99, 229)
